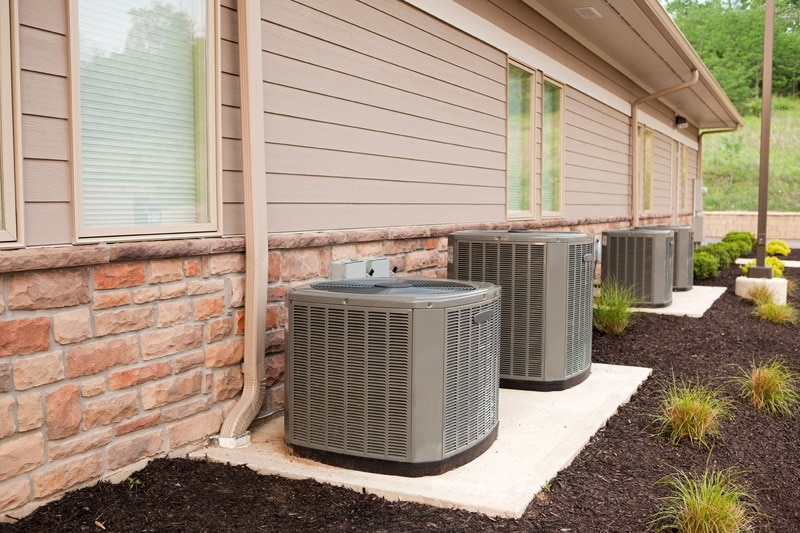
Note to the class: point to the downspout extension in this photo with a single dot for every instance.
(635, 137)
(234, 432)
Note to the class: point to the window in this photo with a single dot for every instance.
(519, 191)
(684, 178)
(146, 138)
(552, 148)
(646, 166)
(8, 214)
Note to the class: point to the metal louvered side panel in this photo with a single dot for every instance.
(472, 373)
(631, 263)
(351, 385)
(519, 270)
(579, 309)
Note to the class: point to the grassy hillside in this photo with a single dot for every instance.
(731, 162)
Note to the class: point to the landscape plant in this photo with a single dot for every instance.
(714, 502)
(777, 247)
(777, 265)
(691, 411)
(706, 265)
(747, 240)
(770, 387)
(782, 314)
(612, 307)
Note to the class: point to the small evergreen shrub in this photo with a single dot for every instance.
(744, 236)
(770, 387)
(778, 247)
(714, 502)
(691, 411)
(706, 265)
(611, 313)
(776, 264)
(724, 252)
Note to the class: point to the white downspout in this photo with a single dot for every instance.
(234, 429)
(635, 138)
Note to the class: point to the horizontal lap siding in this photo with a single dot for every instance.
(379, 115)
(597, 158)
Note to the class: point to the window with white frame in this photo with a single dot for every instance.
(646, 166)
(519, 174)
(146, 156)
(8, 211)
(552, 147)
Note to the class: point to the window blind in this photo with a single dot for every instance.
(143, 112)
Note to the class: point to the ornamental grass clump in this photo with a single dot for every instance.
(770, 387)
(781, 314)
(714, 502)
(612, 304)
(691, 411)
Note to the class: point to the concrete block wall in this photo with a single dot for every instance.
(784, 226)
(111, 356)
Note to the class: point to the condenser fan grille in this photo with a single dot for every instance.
(470, 398)
(393, 286)
(351, 380)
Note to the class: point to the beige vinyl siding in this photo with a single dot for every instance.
(45, 132)
(379, 115)
(230, 123)
(597, 158)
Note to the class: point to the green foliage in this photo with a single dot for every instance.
(611, 313)
(744, 239)
(706, 265)
(760, 294)
(770, 387)
(726, 253)
(714, 502)
(777, 266)
(782, 314)
(691, 411)
(778, 247)
(731, 163)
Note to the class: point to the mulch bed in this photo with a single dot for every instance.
(611, 486)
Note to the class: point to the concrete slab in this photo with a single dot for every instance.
(539, 434)
(693, 303)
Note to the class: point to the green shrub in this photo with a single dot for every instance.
(776, 264)
(691, 411)
(715, 502)
(724, 252)
(611, 313)
(744, 236)
(778, 247)
(706, 265)
(770, 387)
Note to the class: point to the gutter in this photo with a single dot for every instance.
(234, 431)
(635, 138)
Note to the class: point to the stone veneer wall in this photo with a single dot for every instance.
(785, 226)
(111, 355)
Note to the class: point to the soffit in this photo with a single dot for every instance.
(638, 38)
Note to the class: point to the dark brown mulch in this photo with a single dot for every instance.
(611, 486)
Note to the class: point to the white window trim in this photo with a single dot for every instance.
(213, 227)
(559, 213)
(11, 190)
(512, 214)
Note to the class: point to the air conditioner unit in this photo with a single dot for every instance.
(641, 259)
(683, 255)
(547, 280)
(392, 375)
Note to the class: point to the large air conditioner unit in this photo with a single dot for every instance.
(640, 259)
(547, 280)
(392, 375)
(683, 255)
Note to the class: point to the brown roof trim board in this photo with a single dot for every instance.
(639, 38)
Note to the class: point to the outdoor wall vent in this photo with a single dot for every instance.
(640, 259)
(547, 280)
(393, 375)
(588, 13)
